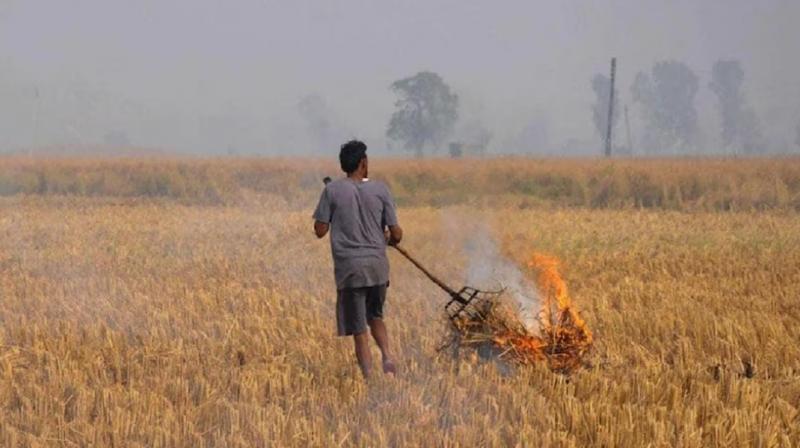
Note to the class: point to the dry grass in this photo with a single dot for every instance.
(674, 184)
(157, 323)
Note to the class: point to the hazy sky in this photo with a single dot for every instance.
(206, 75)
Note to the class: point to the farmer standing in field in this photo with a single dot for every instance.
(361, 216)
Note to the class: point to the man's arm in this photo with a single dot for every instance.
(323, 214)
(321, 228)
(394, 233)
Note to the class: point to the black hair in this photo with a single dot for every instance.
(351, 154)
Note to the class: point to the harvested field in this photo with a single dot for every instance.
(170, 320)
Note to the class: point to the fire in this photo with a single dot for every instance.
(564, 317)
(565, 338)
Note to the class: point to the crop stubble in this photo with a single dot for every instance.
(152, 323)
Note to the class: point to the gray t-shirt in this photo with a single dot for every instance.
(357, 212)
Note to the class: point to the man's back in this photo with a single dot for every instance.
(358, 212)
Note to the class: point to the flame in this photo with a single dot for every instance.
(565, 338)
(554, 290)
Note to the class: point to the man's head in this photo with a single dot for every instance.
(353, 157)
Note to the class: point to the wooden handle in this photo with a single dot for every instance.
(433, 278)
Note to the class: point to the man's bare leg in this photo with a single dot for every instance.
(363, 355)
(378, 330)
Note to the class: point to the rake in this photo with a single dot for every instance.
(467, 303)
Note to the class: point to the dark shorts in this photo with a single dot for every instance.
(357, 306)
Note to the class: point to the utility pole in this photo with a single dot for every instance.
(610, 107)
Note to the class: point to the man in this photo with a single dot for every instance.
(361, 216)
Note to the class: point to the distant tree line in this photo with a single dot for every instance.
(427, 109)
(665, 97)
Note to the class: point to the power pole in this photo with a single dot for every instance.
(610, 106)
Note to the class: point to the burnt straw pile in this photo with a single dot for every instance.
(563, 339)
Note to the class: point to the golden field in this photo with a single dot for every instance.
(672, 184)
(183, 302)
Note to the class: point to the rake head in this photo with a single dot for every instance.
(469, 303)
(466, 304)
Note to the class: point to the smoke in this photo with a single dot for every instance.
(488, 269)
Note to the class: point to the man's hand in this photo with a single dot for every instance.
(321, 228)
(393, 235)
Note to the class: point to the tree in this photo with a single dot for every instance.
(425, 112)
(666, 97)
(601, 85)
(740, 127)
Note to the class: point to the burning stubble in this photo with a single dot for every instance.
(533, 321)
(496, 328)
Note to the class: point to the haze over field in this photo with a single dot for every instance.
(272, 77)
(151, 297)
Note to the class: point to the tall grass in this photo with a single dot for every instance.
(676, 184)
